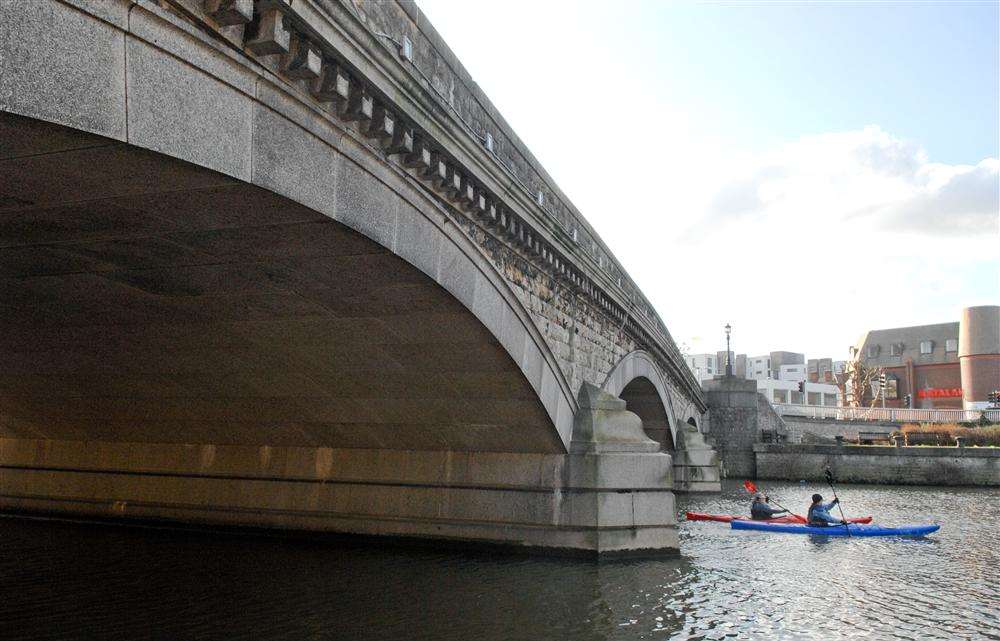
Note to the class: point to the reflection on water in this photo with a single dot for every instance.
(78, 581)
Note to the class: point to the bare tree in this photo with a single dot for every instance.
(857, 383)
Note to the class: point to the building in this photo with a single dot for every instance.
(824, 370)
(739, 363)
(705, 367)
(945, 365)
(787, 391)
(777, 374)
(791, 362)
(776, 365)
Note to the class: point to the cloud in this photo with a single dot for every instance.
(867, 179)
(965, 202)
(808, 244)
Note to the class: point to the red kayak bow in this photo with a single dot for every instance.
(790, 518)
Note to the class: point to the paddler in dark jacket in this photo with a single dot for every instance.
(760, 510)
(819, 513)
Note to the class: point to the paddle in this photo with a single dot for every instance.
(829, 479)
(752, 489)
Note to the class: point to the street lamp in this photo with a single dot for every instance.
(729, 360)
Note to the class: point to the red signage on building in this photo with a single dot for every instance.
(932, 392)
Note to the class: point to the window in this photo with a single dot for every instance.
(951, 345)
(872, 351)
(891, 387)
(926, 347)
(709, 370)
(896, 349)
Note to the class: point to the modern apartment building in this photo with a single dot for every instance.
(705, 367)
(824, 370)
(777, 374)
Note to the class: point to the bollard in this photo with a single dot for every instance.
(960, 441)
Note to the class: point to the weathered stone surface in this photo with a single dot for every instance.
(187, 114)
(298, 167)
(366, 205)
(872, 464)
(518, 500)
(341, 301)
(50, 41)
(604, 425)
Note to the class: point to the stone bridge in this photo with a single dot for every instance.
(280, 263)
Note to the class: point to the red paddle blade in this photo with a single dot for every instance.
(750, 487)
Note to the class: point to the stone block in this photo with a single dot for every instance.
(304, 60)
(489, 306)
(333, 85)
(420, 158)
(514, 338)
(229, 12)
(359, 107)
(175, 109)
(43, 74)
(289, 161)
(418, 240)
(268, 35)
(401, 142)
(381, 126)
(365, 204)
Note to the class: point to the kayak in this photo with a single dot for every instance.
(788, 518)
(856, 529)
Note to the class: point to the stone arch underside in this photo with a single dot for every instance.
(150, 299)
(638, 381)
(641, 398)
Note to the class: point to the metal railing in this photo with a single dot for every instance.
(891, 414)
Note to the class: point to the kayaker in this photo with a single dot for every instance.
(760, 510)
(819, 514)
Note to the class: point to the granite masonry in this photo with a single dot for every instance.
(283, 264)
(876, 464)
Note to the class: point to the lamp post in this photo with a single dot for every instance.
(729, 360)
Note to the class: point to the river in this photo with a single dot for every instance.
(65, 580)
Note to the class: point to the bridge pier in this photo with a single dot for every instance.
(610, 496)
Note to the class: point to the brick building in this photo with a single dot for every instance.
(944, 366)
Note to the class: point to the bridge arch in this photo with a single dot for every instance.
(223, 139)
(638, 381)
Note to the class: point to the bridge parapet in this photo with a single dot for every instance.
(386, 74)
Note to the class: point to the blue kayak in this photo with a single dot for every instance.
(857, 529)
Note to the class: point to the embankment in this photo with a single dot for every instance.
(872, 464)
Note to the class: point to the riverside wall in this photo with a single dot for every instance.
(979, 466)
(799, 426)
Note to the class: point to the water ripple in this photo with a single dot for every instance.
(75, 581)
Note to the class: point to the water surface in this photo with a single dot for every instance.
(63, 580)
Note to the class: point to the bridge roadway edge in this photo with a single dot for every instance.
(30, 473)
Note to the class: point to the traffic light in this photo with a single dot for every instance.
(802, 387)
(906, 400)
(881, 381)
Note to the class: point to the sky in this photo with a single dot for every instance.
(802, 171)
